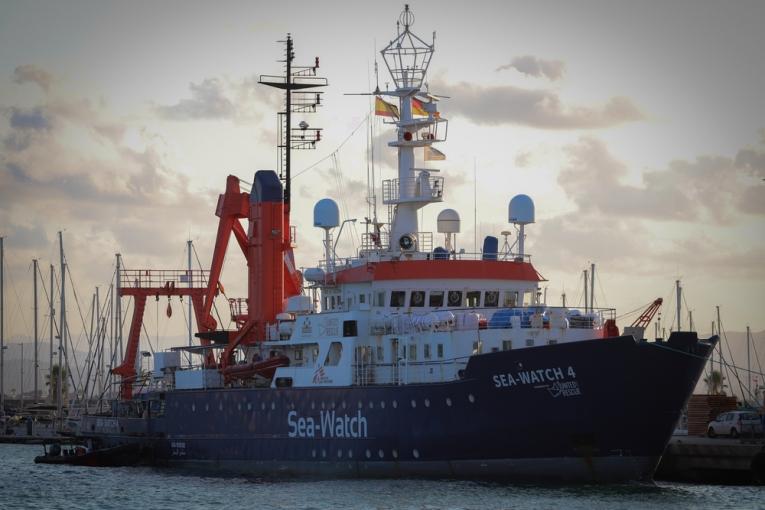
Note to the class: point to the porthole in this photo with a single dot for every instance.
(343, 404)
(323, 453)
(332, 404)
(414, 403)
(382, 404)
(220, 406)
(313, 453)
(361, 404)
(368, 454)
(427, 403)
(249, 406)
(262, 406)
(371, 405)
(193, 407)
(448, 402)
(395, 404)
(416, 453)
(239, 407)
(322, 405)
(273, 406)
(350, 454)
(381, 454)
(471, 398)
(395, 454)
(339, 454)
(313, 405)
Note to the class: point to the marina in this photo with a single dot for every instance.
(361, 340)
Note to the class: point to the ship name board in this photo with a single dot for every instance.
(556, 380)
(329, 425)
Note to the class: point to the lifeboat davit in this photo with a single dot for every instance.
(264, 368)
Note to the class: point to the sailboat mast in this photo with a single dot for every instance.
(52, 314)
(748, 366)
(2, 328)
(679, 291)
(37, 365)
(61, 333)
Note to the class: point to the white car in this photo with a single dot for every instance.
(735, 423)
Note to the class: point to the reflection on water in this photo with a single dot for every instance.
(24, 485)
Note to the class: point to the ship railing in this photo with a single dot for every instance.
(156, 278)
(421, 188)
(508, 317)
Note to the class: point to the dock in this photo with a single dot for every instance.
(717, 461)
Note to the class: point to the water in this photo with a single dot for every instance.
(25, 485)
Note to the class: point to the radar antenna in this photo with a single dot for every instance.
(294, 82)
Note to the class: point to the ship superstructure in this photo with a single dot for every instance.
(405, 358)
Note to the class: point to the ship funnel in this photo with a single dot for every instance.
(521, 212)
(326, 214)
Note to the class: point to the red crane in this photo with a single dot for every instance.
(645, 318)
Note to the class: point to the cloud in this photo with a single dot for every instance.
(32, 74)
(710, 188)
(534, 108)
(208, 101)
(532, 66)
(36, 119)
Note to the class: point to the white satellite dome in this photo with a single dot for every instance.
(448, 222)
(521, 210)
(326, 214)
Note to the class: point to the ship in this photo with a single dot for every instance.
(404, 359)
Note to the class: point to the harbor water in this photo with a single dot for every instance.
(24, 485)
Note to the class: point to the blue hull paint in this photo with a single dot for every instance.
(598, 410)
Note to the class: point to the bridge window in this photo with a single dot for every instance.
(474, 298)
(380, 353)
(334, 354)
(436, 298)
(417, 298)
(426, 351)
(397, 298)
(380, 298)
(362, 299)
(350, 328)
(507, 345)
(455, 298)
(491, 299)
(440, 350)
(412, 352)
(510, 299)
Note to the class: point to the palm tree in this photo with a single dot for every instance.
(715, 382)
(51, 381)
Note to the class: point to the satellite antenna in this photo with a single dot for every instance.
(521, 213)
(448, 223)
(326, 215)
(506, 247)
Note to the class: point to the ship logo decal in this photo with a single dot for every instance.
(320, 376)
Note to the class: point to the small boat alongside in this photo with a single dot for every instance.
(128, 454)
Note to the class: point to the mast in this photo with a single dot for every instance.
(21, 382)
(748, 367)
(407, 58)
(118, 307)
(2, 329)
(719, 343)
(592, 287)
(679, 291)
(37, 365)
(188, 247)
(586, 294)
(62, 332)
(52, 313)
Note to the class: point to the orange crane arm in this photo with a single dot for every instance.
(645, 318)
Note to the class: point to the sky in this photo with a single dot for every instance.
(638, 128)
